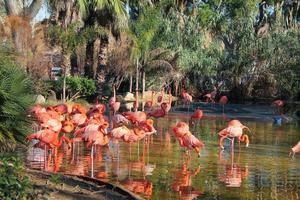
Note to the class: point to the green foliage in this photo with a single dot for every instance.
(13, 183)
(16, 96)
(75, 85)
(55, 178)
(72, 36)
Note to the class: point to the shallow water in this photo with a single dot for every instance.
(158, 168)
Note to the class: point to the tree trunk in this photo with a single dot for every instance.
(143, 83)
(137, 76)
(64, 89)
(66, 63)
(176, 88)
(130, 83)
(88, 71)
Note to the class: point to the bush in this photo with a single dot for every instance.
(75, 86)
(13, 183)
(16, 96)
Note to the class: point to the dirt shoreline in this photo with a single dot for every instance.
(69, 187)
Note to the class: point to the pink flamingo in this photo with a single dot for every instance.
(113, 104)
(198, 114)
(78, 115)
(135, 117)
(169, 104)
(210, 97)
(119, 120)
(161, 112)
(149, 104)
(234, 130)
(295, 149)
(48, 137)
(187, 98)
(161, 96)
(223, 101)
(186, 138)
(279, 105)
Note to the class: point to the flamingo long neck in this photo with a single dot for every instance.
(245, 139)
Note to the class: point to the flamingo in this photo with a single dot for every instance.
(119, 120)
(234, 130)
(67, 126)
(94, 133)
(187, 98)
(169, 104)
(113, 104)
(161, 96)
(149, 104)
(135, 117)
(161, 112)
(210, 97)
(223, 100)
(198, 114)
(78, 115)
(186, 138)
(279, 105)
(295, 149)
(48, 137)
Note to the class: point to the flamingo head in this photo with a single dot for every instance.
(164, 106)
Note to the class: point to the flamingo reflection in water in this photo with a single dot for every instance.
(183, 181)
(234, 174)
(142, 185)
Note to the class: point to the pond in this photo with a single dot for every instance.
(158, 168)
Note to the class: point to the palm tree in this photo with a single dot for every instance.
(16, 97)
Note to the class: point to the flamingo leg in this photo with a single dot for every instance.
(221, 141)
(92, 159)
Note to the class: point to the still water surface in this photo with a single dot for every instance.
(158, 168)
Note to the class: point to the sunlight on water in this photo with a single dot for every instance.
(158, 168)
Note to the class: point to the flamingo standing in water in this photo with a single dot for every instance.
(234, 130)
(78, 115)
(161, 112)
(169, 104)
(187, 99)
(210, 97)
(186, 138)
(223, 101)
(149, 104)
(279, 105)
(113, 104)
(295, 149)
(48, 137)
(198, 114)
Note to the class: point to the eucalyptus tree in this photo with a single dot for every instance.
(23, 11)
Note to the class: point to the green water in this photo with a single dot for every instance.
(158, 168)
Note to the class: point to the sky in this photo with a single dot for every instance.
(42, 14)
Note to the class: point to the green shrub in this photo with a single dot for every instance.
(78, 86)
(16, 96)
(13, 183)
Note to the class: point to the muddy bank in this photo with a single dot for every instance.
(69, 187)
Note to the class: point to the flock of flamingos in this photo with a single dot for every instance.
(72, 123)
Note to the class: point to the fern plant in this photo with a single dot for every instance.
(16, 90)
